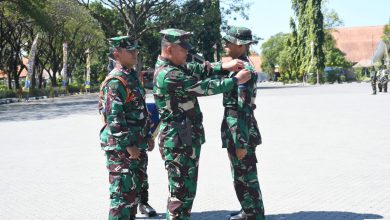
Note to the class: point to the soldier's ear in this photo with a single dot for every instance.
(115, 53)
(169, 49)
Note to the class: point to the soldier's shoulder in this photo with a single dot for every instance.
(114, 79)
(249, 66)
(116, 72)
(169, 70)
(114, 84)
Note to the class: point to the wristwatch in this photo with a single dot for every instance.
(235, 80)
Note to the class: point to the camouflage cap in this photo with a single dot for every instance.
(239, 36)
(123, 42)
(177, 36)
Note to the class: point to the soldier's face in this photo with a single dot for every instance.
(233, 50)
(127, 58)
(178, 54)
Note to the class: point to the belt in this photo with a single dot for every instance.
(231, 112)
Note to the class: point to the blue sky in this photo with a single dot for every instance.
(269, 17)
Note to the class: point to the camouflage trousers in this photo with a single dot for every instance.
(382, 85)
(124, 178)
(143, 177)
(246, 183)
(182, 167)
(373, 85)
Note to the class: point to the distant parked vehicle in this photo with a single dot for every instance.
(262, 77)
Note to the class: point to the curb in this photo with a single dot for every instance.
(15, 100)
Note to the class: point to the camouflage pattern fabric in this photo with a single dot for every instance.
(239, 36)
(182, 166)
(383, 80)
(239, 129)
(126, 124)
(124, 184)
(246, 183)
(143, 177)
(123, 42)
(373, 81)
(177, 36)
(176, 89)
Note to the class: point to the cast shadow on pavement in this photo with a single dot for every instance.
(209, 215)
(160, 216)
(323, 215)
(304, 215)
(280, 87)
(45, 110)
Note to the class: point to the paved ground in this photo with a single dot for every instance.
(325, 156)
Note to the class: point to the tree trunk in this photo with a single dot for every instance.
(14, 70)
(33, 79)
(54, 79)
(9, 80)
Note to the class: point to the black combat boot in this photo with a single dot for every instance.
(235, 213)
(240, 216)
(132, 217)
(146, 209)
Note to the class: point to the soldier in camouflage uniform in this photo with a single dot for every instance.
(373, 77)
(176, 87)
(239, 131)
(124, 136)
(383, 79)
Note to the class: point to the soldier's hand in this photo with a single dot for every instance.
(243, 76)
(233, 65)
(150, 144)
(134, 152)
(241, 153)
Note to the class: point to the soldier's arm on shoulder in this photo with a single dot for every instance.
(205, 69)
(176, 80)
(211, 86)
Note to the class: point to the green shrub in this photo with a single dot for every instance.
(8, 93)
(359, 76)
(3, 87)
(74, 88)
(312, 78)
(331, 76)
(342, 78)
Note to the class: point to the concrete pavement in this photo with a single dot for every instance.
(325, 156)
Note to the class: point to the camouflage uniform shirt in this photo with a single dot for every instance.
(239, 123)
(124, 111)
(175, 91)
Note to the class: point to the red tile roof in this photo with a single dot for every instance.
(358, 43)
(23, 74)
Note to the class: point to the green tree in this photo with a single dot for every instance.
(270, 51)
(14, 28)
(334, 57)
(386, 38)
(74, 25)
(136, 14)
(310, 35)
(288, 58)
